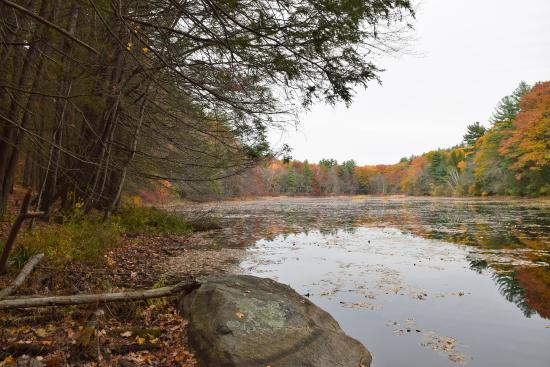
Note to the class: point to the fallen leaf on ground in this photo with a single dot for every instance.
(7, 361)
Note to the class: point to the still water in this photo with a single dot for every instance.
(421, 282)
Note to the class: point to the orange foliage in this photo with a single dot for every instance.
(536, 282)
(413, 172)
(529, 143)
(158, 195)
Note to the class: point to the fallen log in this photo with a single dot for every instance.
(19, 349)
(34, 319)
(81, 299)
(27, 269)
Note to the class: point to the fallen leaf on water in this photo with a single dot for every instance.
(364, 305)
(126, 334)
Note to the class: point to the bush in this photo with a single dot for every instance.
(151, 220)
(85, 240)
(204, 223)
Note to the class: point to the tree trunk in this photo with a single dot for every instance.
(12, 134)
(16, 226)
(49, 187)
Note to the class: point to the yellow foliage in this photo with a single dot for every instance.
(136, 200)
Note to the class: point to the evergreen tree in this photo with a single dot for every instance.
(97, 96)
(438, 167)
(474, 132)
(328, 163)
(307, 174)
(508, 107)
(291, 181)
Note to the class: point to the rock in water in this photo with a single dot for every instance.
(246, 321)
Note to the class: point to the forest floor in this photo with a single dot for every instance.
(141, 333)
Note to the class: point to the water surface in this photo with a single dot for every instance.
(421, 282)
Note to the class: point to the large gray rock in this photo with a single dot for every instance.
(245, 321)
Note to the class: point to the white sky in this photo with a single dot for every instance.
(469, 54)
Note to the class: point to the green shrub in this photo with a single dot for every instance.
(151, 220)
(204, 223)
(85, 240)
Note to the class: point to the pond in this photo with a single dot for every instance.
(420, 281)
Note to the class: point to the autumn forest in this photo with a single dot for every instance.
(510, 157)
(149, 216)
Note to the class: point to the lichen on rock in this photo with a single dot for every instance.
(246, 321)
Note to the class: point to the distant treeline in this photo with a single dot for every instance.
(511, 157)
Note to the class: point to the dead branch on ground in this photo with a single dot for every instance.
(27, 269)
(81, 299)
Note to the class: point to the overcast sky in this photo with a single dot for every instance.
(469, 54)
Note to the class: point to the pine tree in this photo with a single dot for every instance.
(474, 132)
(508, 107)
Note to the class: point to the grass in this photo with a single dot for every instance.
(151, 221)
(84, 240)
(88, 238)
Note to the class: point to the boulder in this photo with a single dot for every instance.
(246, 321)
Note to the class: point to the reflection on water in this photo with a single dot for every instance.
(411, 301)
(414, 294)
(421, 281)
